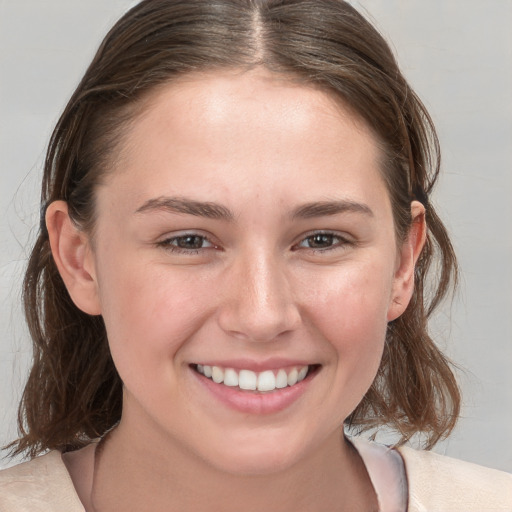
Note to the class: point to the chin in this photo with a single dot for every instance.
(254, 457)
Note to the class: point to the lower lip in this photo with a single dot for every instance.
(253, 402)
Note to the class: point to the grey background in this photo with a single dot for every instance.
(456, 53)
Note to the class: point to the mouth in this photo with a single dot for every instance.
(267, 381)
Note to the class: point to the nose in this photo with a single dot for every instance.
(259, 302)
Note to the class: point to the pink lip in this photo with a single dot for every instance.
(256, 366)
(253, 402)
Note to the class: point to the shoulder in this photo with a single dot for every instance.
(40, 485)
(439, 483)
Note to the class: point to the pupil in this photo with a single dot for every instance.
(321, 240)
(190, 242)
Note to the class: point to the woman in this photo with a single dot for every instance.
(236, 236)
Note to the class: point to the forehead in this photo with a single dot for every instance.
(266, 99)
(211, 132)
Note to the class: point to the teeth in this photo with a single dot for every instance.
(292, 377)
(217, 374)
(230, 377)
(249, 380)
(281, 379)
(266, 381)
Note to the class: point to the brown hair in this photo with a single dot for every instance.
(74, 393)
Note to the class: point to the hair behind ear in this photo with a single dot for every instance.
(415, 389)
(73, 393)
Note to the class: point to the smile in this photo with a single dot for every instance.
(268, 380)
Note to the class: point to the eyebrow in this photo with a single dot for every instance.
(325, 208)
(216, 211)
(187, 206)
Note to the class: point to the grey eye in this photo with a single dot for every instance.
(189, 242)
(320, 241)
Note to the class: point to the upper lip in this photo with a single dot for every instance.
(254, 365)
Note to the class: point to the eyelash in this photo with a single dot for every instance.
(167, 244)
(336, 241)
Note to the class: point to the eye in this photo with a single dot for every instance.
(323, 241)
(187, 243)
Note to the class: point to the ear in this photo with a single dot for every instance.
(71, 250)
(403, 283)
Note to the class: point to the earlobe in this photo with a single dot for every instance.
(403, 286)
(72, 254)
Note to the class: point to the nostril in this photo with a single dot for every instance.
(258, 324)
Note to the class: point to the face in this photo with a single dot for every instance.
(245, 233)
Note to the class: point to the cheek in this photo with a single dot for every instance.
(149, 314)
(349, 309)
(351, 299)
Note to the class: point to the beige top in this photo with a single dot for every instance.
(443, 484)
(435, 483)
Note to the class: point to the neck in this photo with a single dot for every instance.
(134, 472)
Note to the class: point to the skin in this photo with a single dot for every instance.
(261, 147)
